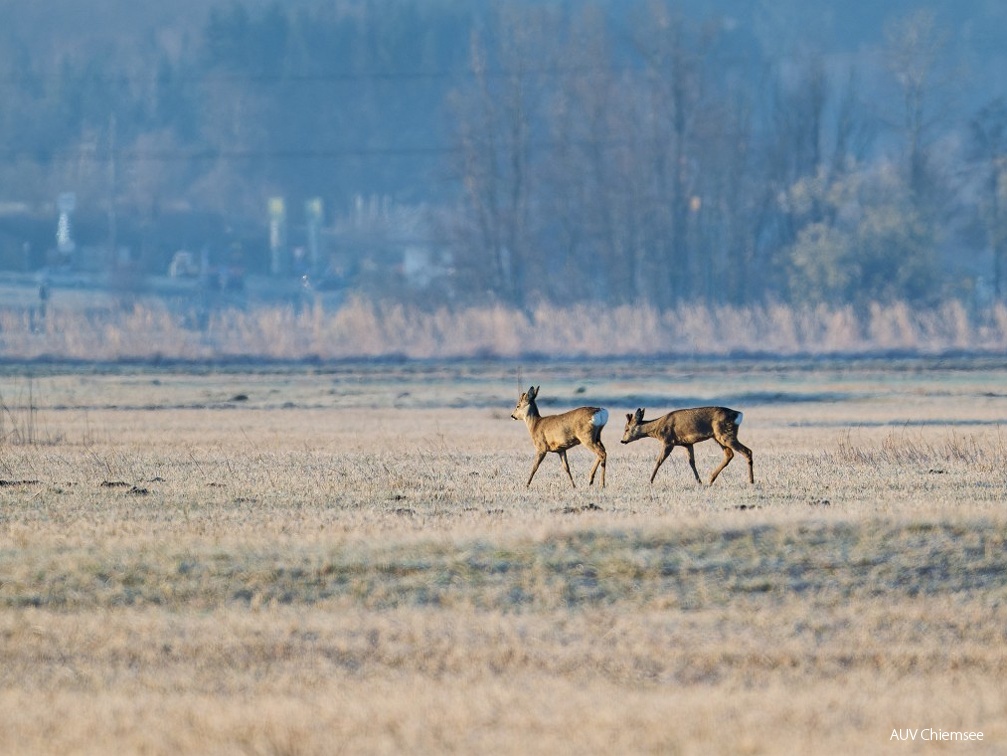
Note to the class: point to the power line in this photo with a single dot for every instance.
(11, 78)
(310, 153)
(168, 156)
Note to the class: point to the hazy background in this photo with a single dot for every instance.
(720, 152)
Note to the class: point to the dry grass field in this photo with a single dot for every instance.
(344, 559)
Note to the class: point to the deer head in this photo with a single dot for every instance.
(526, 404)
(633, 427)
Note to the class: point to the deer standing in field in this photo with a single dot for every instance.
(557, 433)
(688, 427)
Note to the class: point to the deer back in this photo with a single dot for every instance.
(568, 429)
(690, 426)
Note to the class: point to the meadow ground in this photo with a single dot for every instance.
(344, 559)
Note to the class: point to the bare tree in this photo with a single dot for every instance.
(729, 210)
(596, 182)
(989, 150)
(495, 119)
(854, 132)
(916, 50)
(576, 171)
(673, 90)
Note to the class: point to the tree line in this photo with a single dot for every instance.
(613, 152)
(654, 168)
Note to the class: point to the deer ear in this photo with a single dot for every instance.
(536, 390)
(629, 417)
(639, 414)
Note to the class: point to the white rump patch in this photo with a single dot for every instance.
(600, 418)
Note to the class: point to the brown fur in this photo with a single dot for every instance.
(557, 433)
(687, 427)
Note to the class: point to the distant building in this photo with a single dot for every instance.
(381, 247)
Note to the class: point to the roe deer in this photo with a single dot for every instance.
(557, 433)
(690, 426)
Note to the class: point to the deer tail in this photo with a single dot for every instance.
(598, 421)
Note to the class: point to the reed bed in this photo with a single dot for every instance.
(363, 329)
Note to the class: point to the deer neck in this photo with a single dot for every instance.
(532, 417)
(652, 428)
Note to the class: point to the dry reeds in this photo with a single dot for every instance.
(362, 328)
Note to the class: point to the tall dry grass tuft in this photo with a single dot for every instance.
(362, 328)
(20, 424)
(986, 452)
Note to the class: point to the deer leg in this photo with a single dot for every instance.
(566, 466)
(599, 449)
(692, 463)
(534, 468)
(728, 456)
(745, 452)
(660, 459)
